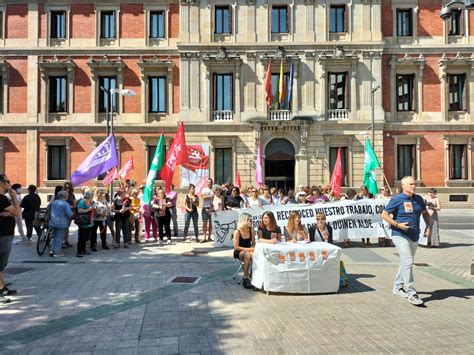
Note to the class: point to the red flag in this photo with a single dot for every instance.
(201, 184)
(268, 83)
(176, 156)
(237, 180)
(126, 169)
(336, 178)
(109, 178)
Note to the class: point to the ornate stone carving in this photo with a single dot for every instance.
(105, 62)
(281, 53)
(55, 63)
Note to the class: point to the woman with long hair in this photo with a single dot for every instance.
(321, 231)
(244, 245)
(268, 231)
(295, 231)
(191, 203)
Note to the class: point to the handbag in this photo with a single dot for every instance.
(83, 219)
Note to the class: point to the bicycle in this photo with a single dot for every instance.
(46, 237)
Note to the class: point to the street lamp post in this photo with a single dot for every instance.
(110, 95)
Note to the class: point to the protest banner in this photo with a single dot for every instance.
(349, 219)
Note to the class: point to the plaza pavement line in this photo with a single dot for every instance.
(27, 335)
(447, 276)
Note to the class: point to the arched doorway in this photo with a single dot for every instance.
(280, 164)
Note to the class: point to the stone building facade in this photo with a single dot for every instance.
(205, 63)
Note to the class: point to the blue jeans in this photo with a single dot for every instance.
(58, 237)
(406, 249)
(187, 218)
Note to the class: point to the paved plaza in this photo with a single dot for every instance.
(122, 302)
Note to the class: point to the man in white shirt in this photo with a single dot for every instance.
(207, 196)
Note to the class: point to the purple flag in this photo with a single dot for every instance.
(258, 166)
(102, 159)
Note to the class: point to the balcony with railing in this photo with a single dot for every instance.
(279, 115)
(338, 114)
(223, 116)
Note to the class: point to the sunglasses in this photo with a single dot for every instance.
(320, 219)
(6, 181)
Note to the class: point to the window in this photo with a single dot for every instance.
(157, 24)
(223, 165)
(56, 162)
(405, 96)
(404, 22)
(157, 94)
(405, 160)
(1, 24)
(108, 83)
(57, 94)
(151, 149)
(279, 19)
(223, 92)
(455, 23)
(223, 20)
(457, 92)
(58, 24)
(1, 95)
(276, 105)
(338, 91)
(107, 24)
(337, 19)
(457, 161)
(332, 162)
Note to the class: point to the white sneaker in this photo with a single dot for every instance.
(400, 292)
(169, 241)
(16, 241)
(414, 300)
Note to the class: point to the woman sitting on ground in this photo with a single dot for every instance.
(244, 245)
(268, 231)
(321, 231)
(295, 231)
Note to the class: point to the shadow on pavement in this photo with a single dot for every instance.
(355, 286)
(439, 295)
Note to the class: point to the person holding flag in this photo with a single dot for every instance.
(156, 166)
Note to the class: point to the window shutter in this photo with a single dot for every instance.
(346, 90)
(451, 162)
(232, 92)
(464, 93)
(413, 93)
(449, 25)
(230, 20)
(214, 92)
(461, 22)
(464, 162)
(288, 19)
(346, 18)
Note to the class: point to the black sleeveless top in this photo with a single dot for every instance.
(244, 243)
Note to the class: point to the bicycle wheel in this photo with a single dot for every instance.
(42, 242)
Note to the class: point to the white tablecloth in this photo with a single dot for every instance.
(296, 268)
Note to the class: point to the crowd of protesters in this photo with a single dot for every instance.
(129, 220)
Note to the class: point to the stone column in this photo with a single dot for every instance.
(32, 156)
(32, 92)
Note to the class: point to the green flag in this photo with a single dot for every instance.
(156, 165)
(371, 163)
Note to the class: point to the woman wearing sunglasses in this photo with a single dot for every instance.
(321, 231)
